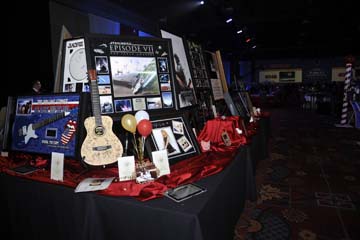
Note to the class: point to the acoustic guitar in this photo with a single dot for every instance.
(101, 146)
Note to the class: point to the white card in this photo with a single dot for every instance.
(161, 161)
(57, 166)
(93, 184)
(126, 167)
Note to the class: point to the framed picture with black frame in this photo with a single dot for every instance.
(133, 73)
(173, 133)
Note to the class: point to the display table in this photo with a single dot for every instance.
(39, 210)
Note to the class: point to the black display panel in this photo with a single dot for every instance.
(133, 73)
(49, 123)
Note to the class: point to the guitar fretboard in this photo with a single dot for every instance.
(95, 99)
(48, 121)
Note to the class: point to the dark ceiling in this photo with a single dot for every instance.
(279, 28)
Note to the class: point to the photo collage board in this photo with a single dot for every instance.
(133, 73)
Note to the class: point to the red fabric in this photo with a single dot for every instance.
(187, 171)
(212, 133)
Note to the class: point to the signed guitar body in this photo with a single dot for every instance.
(101, 146)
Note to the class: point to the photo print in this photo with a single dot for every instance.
(165, 87)
(123, 105)
(139, 104)
(178, 127)
(184, 144)
(163, 65)
(165, 140)
(106, 104)
(167, 99)
(154, 103)
(134, 76)
(102, 65)
(71, 87)
(24, 106)
(164, 78)
(103, 79)
(104, 89)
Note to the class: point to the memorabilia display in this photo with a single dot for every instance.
(74, 74)
(215, 81)
(200, 76)
(133, 73)
(185, 82)
(101, 146)
(49, 123)
(173, 134)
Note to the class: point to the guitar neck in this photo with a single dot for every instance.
(49, 120)
(95, 100)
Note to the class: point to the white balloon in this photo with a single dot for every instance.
(140, 115)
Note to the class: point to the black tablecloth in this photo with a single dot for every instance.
(37, 210)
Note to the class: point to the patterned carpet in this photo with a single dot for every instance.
(309, 188)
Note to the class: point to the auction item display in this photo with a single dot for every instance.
(173, 134)
(133, 73)
(49, 123)
(101, 146)
(74, 67)
(184, 79)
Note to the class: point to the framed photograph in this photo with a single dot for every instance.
(184, 80)
(133, 73)
(173, 134)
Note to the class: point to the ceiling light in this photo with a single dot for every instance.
(254, 46)
(202, 2)
(229, 20)
(238, 32)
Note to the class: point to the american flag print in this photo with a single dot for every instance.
(69, 130)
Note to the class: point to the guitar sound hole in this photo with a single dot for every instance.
(99, 130)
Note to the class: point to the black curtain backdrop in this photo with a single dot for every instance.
(28, 48)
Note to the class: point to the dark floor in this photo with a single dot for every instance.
(309, 188)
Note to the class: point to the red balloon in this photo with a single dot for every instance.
(144, 127)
